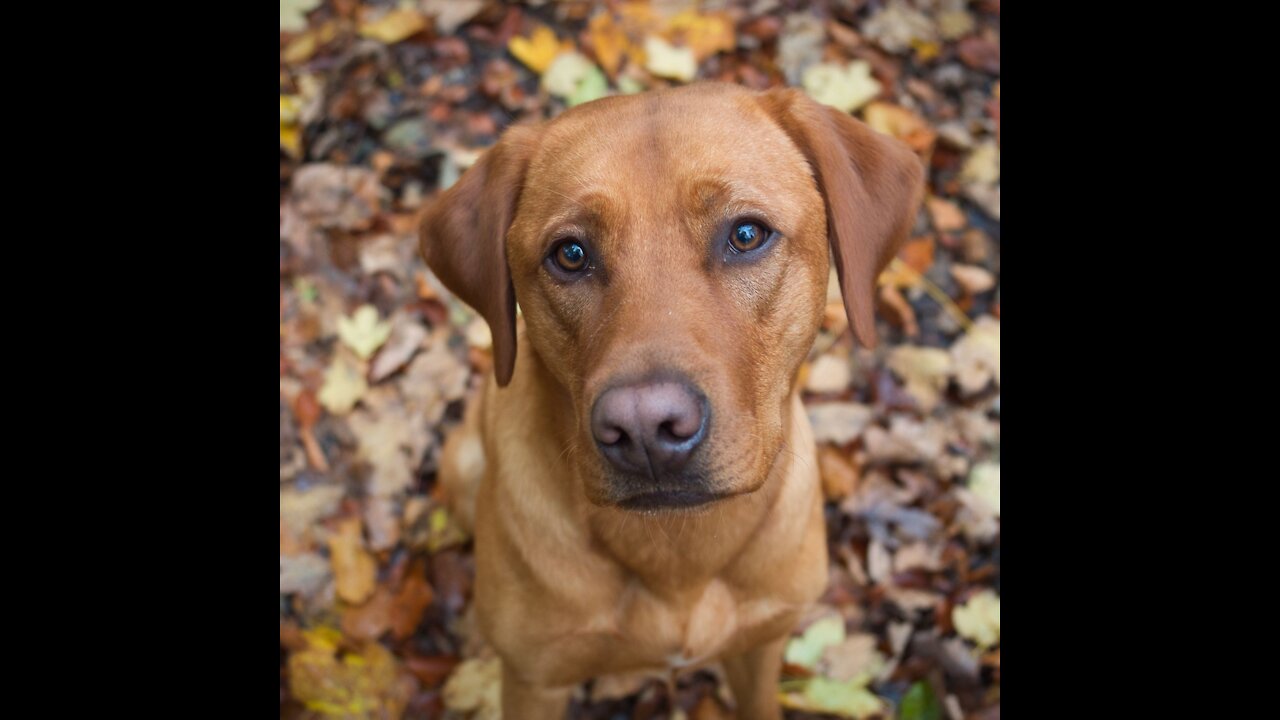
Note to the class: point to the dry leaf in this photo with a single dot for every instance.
(476, 686)
(394, 26)
(977, 356)
(982, 167)
(839, 477)
(293, 14)
(305, 574)
(978, 620)
(898, 25)
(844, 87)
(539, 50)
(972, 279)
(901, 123)
(366, 684)
(664, 60)
(406, 337)
(925, 371)
(370, 620)
(354, 569)
(829, 374)
(856, 655)
(344, 385)
(839, 422)
(608, 41)
(705, 34)
(947, 216)
(410, 601)
(807, 649)
(301, 509)
(451, 14)
(984, 483)
(363, 332)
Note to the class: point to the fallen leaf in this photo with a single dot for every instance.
(363, 332)
(476, 686)
(664, 60)
(449, 15)
(925, 372)
(845, 88)
(539, 50)
(293, 14)
(854, 656)
(344, 385)
(899, 122)
(593, 86)
(984, 482)
(972, 279)
(363, 684)
(839, 422)
(800, 45)
(947, 216)
(305, 574)
(405, 340)
(409, 602)
(706, 34)
(982, 167)
(849, 699)
(920, 704)
(337, 196)
(382, 521)
(977, 356)
(370, 620)
(839, 476)
(806, 650)
(829, 374)
(394, 26)
(354, 569)
(608, 41)
(978, 620)
(953, 24)
(898, 25)
(300, 509)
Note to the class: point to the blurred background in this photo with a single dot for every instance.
(383, 104)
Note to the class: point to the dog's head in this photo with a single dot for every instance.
(670, 255)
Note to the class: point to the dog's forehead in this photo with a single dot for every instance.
(651, 141)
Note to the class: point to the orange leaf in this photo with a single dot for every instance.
(608, 42)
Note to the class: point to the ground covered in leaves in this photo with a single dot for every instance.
(382, 104)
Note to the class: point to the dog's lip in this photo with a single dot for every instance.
(664, 499)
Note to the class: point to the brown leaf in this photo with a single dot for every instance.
(946, 215)
(370, 620)
(839, 476)
(410, 601)
(354, 569)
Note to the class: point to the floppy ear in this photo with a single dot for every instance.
(463, 236)
(871, 185)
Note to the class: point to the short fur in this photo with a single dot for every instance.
(569, 585)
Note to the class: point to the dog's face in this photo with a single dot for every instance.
(669, 253)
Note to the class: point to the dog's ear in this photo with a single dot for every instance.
(463, 236)
(871, 185)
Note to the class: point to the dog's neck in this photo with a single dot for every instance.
(679, 552)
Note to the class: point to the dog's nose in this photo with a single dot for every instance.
(649, 428)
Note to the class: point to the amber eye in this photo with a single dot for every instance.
(748, 236)
(571, 256)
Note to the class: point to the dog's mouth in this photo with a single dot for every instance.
(671, 499)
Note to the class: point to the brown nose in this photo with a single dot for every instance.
(650, 428)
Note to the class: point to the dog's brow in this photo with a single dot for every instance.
(588, 209)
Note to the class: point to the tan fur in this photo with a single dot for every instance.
(568, 585)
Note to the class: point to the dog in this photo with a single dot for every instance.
(642, 473)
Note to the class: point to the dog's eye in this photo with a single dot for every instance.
(571, 256)
(748, 236)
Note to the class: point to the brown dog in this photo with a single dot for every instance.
(644, 479)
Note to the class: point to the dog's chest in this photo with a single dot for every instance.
(689, 629)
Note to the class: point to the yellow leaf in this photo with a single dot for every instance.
(363, 332)
(984, 481)
(845, 88)
(983, 165)
(344, 385)
(664, 60)
(354, 569)
(538, 51)
(395, 26)
(807, 649)
(979, 619)
(305, 45)
(900, 123)
(849, 699)
(290, 137)
(608, 42)
(706, 35)
(925, 371)
(293, 14)
(475, 685)
(364, 684)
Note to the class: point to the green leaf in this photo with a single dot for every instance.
(920, 704)
(592, 86)
(849, 699)
(807, 649)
